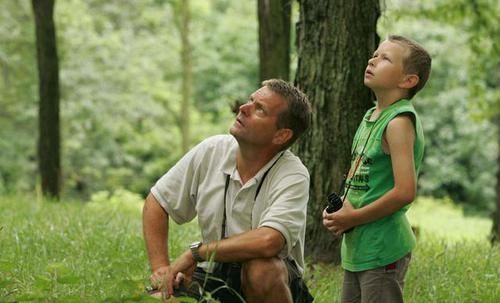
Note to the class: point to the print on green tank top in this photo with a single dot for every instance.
(390, 238)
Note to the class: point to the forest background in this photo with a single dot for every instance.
(123, 120)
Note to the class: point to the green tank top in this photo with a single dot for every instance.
(390, 238)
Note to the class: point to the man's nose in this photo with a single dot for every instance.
(244, 108)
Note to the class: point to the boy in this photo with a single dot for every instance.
(387, 152)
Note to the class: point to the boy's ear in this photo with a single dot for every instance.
(409, 81)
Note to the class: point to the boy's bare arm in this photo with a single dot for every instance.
(400, 136)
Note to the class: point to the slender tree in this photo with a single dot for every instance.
(495, 230)
(274, 38)
(335, 40)
(187, 73)
(49, 162)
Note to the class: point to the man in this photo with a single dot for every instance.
(250, 196)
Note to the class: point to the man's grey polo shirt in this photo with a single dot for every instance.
(195, 187)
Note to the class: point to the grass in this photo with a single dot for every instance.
(453, 261)
(94, 252)
(74, 252)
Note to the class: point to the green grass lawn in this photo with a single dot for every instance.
(94, 252)
(453, 261)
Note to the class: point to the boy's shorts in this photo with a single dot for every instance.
(224, 284)
(380, 285)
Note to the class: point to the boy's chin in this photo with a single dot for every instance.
(367, 83)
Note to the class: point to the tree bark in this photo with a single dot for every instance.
(335, 40)
(274, 38)
(187, 75)
(49, 159)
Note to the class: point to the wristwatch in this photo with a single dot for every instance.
(194, 247)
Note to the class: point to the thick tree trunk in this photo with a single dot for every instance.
(495, 231)
(335, 40)
(49, 162)
(187, 75)
(274, 38)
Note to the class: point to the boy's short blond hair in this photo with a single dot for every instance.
(418, 62)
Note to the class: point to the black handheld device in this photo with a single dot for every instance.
(334, 204)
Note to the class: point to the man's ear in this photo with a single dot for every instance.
(409, 81)
(282, 136)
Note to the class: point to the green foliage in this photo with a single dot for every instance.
(120, 87)
(226, 57)
(18, 106)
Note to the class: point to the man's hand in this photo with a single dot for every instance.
(158, 280)
(184, 267)
(167, 278)
(341, 220)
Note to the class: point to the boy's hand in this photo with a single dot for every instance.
(341, 220)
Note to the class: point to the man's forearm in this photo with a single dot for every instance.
(264, 242)
(155, 229)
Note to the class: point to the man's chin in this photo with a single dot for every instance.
(234, 131)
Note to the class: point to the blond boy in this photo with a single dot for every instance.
(387, 152)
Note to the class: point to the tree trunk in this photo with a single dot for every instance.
(274, 38)
(48, 116)
(495, 231)
(187, 74)
(335, 40)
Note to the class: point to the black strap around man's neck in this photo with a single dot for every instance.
(224, 218)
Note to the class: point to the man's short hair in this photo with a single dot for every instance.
(418, 62)
(297, 115)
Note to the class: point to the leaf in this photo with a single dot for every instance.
(30, 296)
(68, 279)
(43, 282)
(6, 266)
(6, 282)
(135, 287)
(59, 269)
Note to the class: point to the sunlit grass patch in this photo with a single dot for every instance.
(454, 271)
(442, 219)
